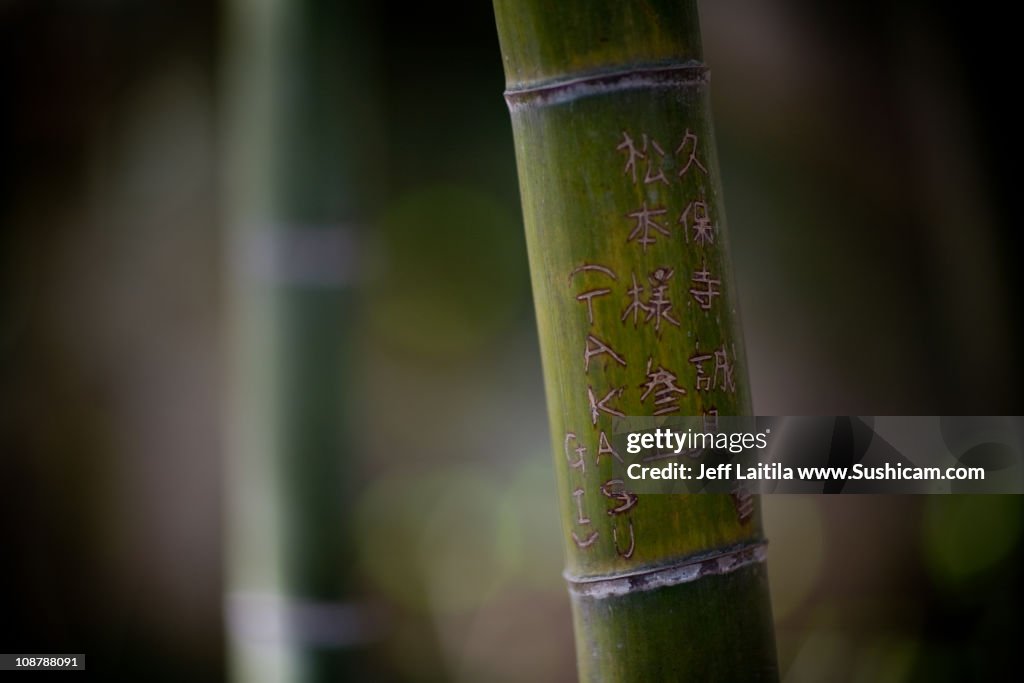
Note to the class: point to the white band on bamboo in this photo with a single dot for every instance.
(269, 618)
(691, 569)
(566, 90)
(319, 257)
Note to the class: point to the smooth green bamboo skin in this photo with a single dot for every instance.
(637, 316)
(707, 630)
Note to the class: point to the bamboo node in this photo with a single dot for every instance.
(689, 569)
(558, 91)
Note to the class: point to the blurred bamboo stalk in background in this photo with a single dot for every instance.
(637, 316)
(298, 178)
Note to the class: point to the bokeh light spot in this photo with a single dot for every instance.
(967, 535)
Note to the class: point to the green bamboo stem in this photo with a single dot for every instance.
(298, 180)
(637, 316)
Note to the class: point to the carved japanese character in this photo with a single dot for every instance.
(602, 406)
(603, 448)
(705, 295)
(581, 517)
(662, 383)
(722, 377)
(658, 306)
(589, 296)
(628, 552)
(596, 347)
(646, 226)
(634, 153)
(690, 139)
(615, 489)
(580, 451)
(586, 541)
(695, 217)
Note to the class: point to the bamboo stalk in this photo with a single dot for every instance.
(637, 316)
(299, 146)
